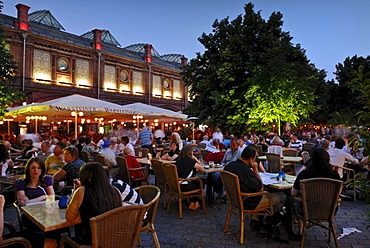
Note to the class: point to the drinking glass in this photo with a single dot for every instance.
(211, 164)
(49, 203)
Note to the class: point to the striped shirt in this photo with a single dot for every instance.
(128, 194)
(145, 137)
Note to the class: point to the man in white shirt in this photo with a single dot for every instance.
(338, 156)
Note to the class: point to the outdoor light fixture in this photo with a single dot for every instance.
(35, 118)
(75, 115)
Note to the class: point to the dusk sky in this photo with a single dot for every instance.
(329, 30)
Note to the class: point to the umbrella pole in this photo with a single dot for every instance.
(193, 130)
(9, 128)
(35, 125)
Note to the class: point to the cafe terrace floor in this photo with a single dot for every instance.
(206, 230)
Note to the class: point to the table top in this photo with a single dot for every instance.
(269, 179)
(47, 221)
(147, 161)
(212, 170)
(285, 159)
(10, 180)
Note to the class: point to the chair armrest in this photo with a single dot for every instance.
(192, 179)
(69, 241)
(18, 240)
(261, 193)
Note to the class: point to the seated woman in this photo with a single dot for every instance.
(94, 195)
(173, 154)
(132, 163)
(187, 164)
(319, 167)
(5, 160)
(35, 185)
(69, 171)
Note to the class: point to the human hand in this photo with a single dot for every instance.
(77, 182)
(2, 201)
(22, 200)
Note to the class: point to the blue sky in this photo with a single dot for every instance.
(329, 30)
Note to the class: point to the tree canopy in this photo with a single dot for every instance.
(251, 76)
(8, 69)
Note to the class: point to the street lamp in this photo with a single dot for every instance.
(137, 120)
(76, 114)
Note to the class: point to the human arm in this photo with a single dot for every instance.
(2, 202)
(199, 167)
(172, 158)
(59, 175)
(73, 209)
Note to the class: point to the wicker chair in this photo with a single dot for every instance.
(274, 162)
(125, 172)
(101, 159)
(289, 152)
(307, 146)
(259, 150)
(290, 168)
(85, 156)
(236, 198)
(320, 200)
(350, 177)
(119, 227)
(170, 171)
(160, 179)
(305, 157)
(15, 241)
(150, 195)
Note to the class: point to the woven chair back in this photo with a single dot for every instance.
(122, 166)
(320, 198)
(273, 162)
(170, 172)
(290, 152)
(232, 187)
(119, 227)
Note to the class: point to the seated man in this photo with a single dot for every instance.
(45, 150)
(55, 161)
(250, 182)
(70, 171)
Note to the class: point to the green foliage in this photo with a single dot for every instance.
(251, 75)
(8, 70)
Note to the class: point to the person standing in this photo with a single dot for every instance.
(146, 139)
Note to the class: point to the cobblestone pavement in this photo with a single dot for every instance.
(197, 229)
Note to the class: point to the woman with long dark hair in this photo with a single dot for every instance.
(187, 165)
(93, 197)
(35, 185)
(319, 167)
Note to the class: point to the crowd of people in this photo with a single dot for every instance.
(52, 165)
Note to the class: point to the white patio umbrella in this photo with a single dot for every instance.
(73, 105)
(150, 111)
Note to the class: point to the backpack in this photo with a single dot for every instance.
(279, 227)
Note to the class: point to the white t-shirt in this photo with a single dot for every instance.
(4, 167)
(218, 135)
(338, 157)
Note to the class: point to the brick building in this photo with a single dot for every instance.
(54, 63)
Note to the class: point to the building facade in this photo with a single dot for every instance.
(54, 63)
